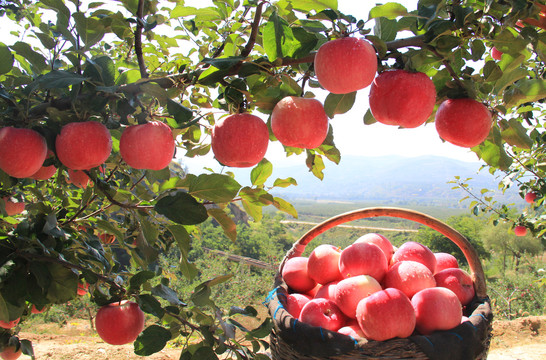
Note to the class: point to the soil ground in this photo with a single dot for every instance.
(520, 339)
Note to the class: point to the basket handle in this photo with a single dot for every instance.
(468, 250)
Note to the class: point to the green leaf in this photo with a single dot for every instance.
(285, 206)
(525, 90)
(6, 59)
(47, 41)
(91, 30)
(492, 151)
(261, 172)
(182, 238)
(102, 70)
(314, 5)
(64, 283)
(128, 77)
(153, 339)
(315, 164)
(140, 278)
(278, 39)
(507, 79)
(201, 14)
(166, 293)
(389, 10)
(263, 330)
(369, 118)
(227, 224)
(4, 311)
(34, 58)
(218, 188)
(182, 208)
(385, 29)
(57, 5)
(283, 183)
(338, 103)
(180, 113)
(60, 79)
(514, 133)
(150, 305)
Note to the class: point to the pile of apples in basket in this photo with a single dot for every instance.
(372, 290)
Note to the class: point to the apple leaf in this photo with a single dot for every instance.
(140, 278)
(27, 349)
(385, 29)
(166, 293)
(278, 38)
(369, 118)
(91, 30)
(316, 5)
(182, 238)
(389, 10)
(4, 311)
(63, 284)
(153, 339)
(338, 103)
(206, 13)
(60, 79)
(6, 59)
(218, 188)
(315, 164)
(34, 58)
(182, 208)
(150, 305)
(101, 69)
(261, 172)
(525, 90)
(188, 269)
(514, 133)
(227, 224)
(263, 330)
(285, 206)
(283, 183)
(492, 151)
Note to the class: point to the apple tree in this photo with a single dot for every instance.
(180, 72)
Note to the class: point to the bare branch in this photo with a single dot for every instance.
(138, 40)
(254, 32)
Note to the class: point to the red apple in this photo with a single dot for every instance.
(299, 122)
(119, 323)
(350, 291)
(445, 261)
(463, 122)
(9, 324)
(240, 140)
(22, 151)
(45, 172)
(12, 207)
(409, 276)
(458, 281)
(496, 53)
(82, 289)
(147, 146)
(415, 251)
(402, 98)
(386, 314)
(323, 264)
(107, 238)
(35, 310)
(379, 240)
(295, 302)
(324, 313)
(10, 353)
(295, 275)
(353, 330)
(313, 291)
(520, 230)
(436, 308)
(363, 259)
(530, 197)
(78, 178)
(345, 65)
(83, 145)
(327, 291)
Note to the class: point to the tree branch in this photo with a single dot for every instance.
(138, 40)
(414, 41)
(254, 32)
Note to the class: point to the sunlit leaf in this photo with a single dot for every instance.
(261, 172)
(6, 59)
(182, 208)
(389, 10)
(339, 103)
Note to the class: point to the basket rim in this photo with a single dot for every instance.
(476, 270)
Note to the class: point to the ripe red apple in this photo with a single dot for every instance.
(83, 145)
(22, 151)
(9, 324)
(295, 275)
(119, 323)
(436, 308)
(520, 230)
(10, 353)
(415, 251)
(402, 98)
(82, 289)
(240, 140)
(496, 53)
(379, 240)
(458, 281)
(345, 65)
(353, 330)
(323, 264)
(530, 197)
(45, 172)
(463, 122)
(350, 291)
(363, 259)
(445, 261)
(35, 310)
(409, 276)
(539, 21)
(313, 291)
(295, 302)
(327, 291)
(147, 146)
(324, 313)
(78, 178)
(386, 314)
(299, 122)
(12, 207)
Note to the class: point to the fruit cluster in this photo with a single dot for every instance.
(372, 290)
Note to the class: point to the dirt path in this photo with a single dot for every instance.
(520, 339)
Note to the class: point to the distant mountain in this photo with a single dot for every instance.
(390, 179)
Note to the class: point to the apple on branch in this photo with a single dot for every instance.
(13, 207)
(240, 140)
(119, 323)
(6, 324)
(10, 352)
(345, 65)
(520, 230)
(147, 146)
(22, 151)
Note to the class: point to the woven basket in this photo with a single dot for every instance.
(291, 339)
